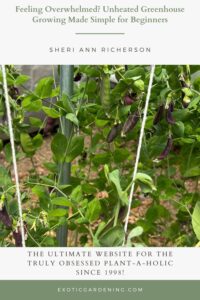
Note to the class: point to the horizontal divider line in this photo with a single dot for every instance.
(110, 33)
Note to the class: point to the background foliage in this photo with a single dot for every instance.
(106, 111)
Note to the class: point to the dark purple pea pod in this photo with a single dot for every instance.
(115, 130)
(5, 219)
(14, 92)
(130, 123)
(17, 237)
(128, 100)
(78, 77)
(159, 114)
(49, 126)
(169, 116)
(183, 83)
(167, 149)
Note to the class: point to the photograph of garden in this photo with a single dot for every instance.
(107, 156)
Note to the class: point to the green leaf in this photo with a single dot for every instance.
(55, 92)
(93, 210)
(59, 146)
(67, 103)
(44, 87)
(120, 155)
(155, 212)
(49, 241)
(114, 177)
(192, 172)
(32, 103)
(101, 123)
(47, 180)
(73, 118)
(8, 152)
(88, 188)
(26, 143)
(101, 159)
(186, 140)
(52, 167)
(36, 122)
(178, 129)
(59, 212)
(90, 71)
(100, 228)
(51, 112)
(42, 193)
(5, 179)
(62, 201)
(135, 232)
(114, 237)
(77, 195)
(146, 180)
(75, 148)
(196, 83)
(21, 79)
(139, 85)
(37, 140)
(196, 220)
(137, 71)
(194, 103)
(181, 114)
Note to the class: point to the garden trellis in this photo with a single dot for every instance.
(139, 148)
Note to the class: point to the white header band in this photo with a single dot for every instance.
(100, 31)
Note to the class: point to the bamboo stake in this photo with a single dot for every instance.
(66, 127)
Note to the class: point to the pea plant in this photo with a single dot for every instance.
(96, 113)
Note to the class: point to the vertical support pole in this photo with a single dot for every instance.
(66, 127)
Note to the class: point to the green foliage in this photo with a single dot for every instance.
(196, 220)
(94, 203)
(114, 237)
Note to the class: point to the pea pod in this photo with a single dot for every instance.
(167, 149)
(128, 100)
(183, 83)
(78, 77)
(105, 91)
(14, 92)
(186, 101)
(169, 116)
(115, 130)
(17, 237)
(4, 218)
(159, 114)
(130, 123)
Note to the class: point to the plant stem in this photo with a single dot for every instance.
(32, 238)
(190, 156)
(48, 185)
(168, 168)
(66, 86)
(117, 209)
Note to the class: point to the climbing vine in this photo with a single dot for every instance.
(106, 110)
